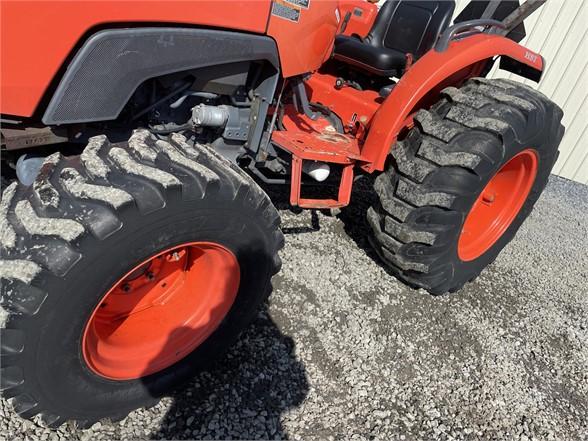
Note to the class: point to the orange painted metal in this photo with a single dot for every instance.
(38, 36)
(329, 147)
(349, 104)
(294, 121)
(343, 196)
(498, 205)
(363, 15)
(161, 310)
(433, 69)
(304, 45)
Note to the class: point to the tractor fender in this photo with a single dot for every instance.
(433, 72)
(112, 63)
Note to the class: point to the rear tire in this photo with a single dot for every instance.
(438, 172)
(84, 224)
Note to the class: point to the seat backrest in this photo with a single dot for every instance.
(410, 26)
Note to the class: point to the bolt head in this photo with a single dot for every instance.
(489, 197)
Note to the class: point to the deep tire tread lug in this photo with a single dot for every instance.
(454, 147)
(109, 179)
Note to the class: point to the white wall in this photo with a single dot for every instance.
(559, 32)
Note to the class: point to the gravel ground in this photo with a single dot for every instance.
(343, 350)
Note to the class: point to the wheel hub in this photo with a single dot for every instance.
(498, 205)
(161, 310)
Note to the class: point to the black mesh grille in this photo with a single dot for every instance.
(112, 64)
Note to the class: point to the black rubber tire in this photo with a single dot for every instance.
(87, 221)
(437, 172)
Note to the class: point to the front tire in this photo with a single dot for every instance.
(462, 182)
(92, 224)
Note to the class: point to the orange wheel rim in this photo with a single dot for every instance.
(161, 310)
(497, 205)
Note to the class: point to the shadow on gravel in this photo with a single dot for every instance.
(353, 216)
(355, 223)
(314, 226)
(244, 394)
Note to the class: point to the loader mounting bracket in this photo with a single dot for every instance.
(332, 148)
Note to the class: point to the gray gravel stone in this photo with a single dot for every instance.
(344, 351)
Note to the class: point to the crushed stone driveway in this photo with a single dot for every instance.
(345, 351)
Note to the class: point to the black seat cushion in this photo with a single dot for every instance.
(401, 27)
(382, 61)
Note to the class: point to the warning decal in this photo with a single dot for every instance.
(286, 10)
(302, 3)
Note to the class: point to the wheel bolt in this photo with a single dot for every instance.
(126, 287)
(150, 275)
(488, 197)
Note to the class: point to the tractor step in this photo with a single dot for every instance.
(332, 148)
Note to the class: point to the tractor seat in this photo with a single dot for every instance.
(401, 27)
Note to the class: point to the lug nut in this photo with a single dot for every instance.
(150, 275)
(126, 287)
(488, 197)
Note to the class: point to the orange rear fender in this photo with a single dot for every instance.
(434, 71)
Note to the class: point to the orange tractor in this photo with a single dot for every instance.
(136, 240)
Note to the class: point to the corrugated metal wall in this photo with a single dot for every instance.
(559, 32)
